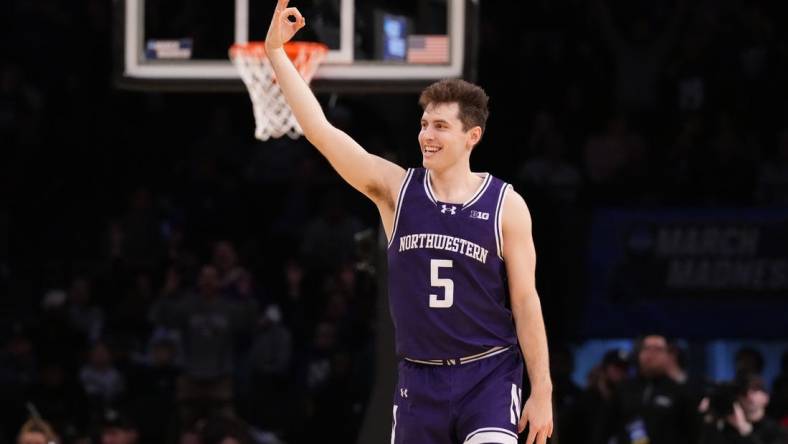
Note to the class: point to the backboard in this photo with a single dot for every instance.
(374, 45)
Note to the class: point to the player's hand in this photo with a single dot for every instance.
(282, 29)
(538, 414)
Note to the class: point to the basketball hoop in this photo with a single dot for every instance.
(272, 115)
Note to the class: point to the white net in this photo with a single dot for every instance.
(272, 115)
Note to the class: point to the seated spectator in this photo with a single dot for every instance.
(153, 393)
(102, 382)
(130, 314)
(83, 314)
(17, 373)
(37, 431)
(219, 430)
(269, 362)
(118, 428)
(60, 398)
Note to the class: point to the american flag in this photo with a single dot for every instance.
(428, 49)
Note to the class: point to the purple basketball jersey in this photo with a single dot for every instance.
(447, 281)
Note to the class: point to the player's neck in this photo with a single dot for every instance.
(455, 185)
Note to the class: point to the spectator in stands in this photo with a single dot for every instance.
(566, 395)
(17, 373)
(736, 414)
(37, 431)
(679, 161)
(142, 240)
(547, 169)
(85, 316)
(190, 436)
(54, 336)
(153, 394)
(754, 399)
(778, 408)
(732, 155)
(129, 315)
(297, 312)
(118, 428)
(650, 406)
(336, 403)
(329, 238)
(225, 260)
(223, 430)
(270, 363)
(208, 326)
(677, 364)
(101, 381)
(614, 157)
(59, 398)
(602, 380)
(640, 54)
(773, 174)
(748, 361)
(677, 371)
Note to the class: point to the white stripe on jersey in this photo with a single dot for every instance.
(400, 198)
(498, 212)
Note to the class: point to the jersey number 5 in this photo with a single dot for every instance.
(447, 284)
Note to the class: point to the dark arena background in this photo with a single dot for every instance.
(167, 278)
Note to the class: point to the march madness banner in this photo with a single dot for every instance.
(694, 273)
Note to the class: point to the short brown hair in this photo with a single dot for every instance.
(37, 425)
(471, 99)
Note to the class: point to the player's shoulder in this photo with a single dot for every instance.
(514, 207)
(512, 198)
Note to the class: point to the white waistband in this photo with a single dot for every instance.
(464, 360)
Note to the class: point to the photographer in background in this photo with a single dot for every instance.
(735, 414)
(649, 408)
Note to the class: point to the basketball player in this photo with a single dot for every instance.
(459, 245)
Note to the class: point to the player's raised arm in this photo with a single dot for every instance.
(520, 259)
(377, 178)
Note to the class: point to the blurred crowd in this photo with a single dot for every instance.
(652, 395)
(167, 348)
(168, 279)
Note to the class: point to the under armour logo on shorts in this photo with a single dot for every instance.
(451, 209)
(403, 392)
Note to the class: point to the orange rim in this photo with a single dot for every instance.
(257, 49)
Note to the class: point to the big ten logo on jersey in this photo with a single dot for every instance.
(480, 215)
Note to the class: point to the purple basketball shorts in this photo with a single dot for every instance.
(474, 403)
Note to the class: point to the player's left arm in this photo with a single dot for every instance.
(520, 259)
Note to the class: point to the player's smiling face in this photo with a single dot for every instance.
(442, 138)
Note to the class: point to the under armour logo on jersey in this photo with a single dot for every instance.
(403, 392)
(451, 209)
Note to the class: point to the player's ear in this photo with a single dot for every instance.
(474, 135)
